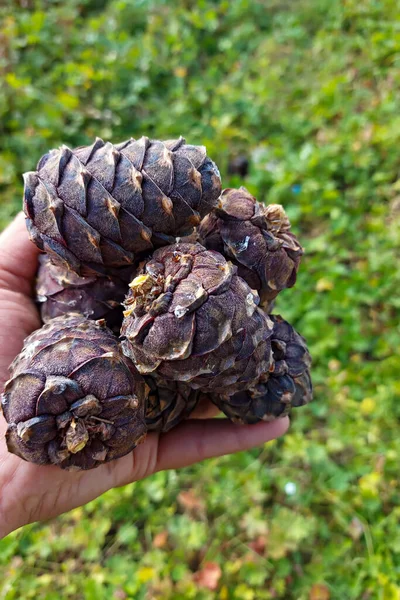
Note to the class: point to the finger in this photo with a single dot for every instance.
(18, 257)
(18, 315)
(34, 493)
(205, 410)
(194, 441)
(190, 442)
(17, 320)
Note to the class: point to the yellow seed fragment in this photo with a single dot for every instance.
(139, 281)
(77, 447)
(76, 437)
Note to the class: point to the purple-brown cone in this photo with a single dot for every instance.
(257, 239)
(287, 385)
(92, 209)
(189, 317)
(168, 403)
(60, 291)
(73, 398)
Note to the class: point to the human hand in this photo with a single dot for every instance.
(31, 493)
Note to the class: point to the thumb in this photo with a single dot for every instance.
(18, 257)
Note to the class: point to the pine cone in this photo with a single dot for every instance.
(190, 318)
(168, 403)
(60, 291)
(73, 399)
(93, 208)
(287, 385)
(257, 239)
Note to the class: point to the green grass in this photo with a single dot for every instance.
(309, 91)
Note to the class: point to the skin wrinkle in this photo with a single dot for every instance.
(144, 468)
(5, 484)
(27, 321)
(11, 280)
(33, 505)
(8, 281)
(36, 505)
(201, 448)
(141, 463)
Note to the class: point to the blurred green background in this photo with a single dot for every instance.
(309, 92)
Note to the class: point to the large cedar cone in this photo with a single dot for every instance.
(287, 385)
(189, 317)
(73, 399)
(93, 208)
(60, 291)
(168, 403)
(257, 239)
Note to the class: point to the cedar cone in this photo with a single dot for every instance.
(257, 239)
(189, 317)
(288, 384)
(92, 209)
(61, 404)
(168, 403)
(60, 291)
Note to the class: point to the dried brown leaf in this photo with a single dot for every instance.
(191, 503)
(209, 576)
(160, 539)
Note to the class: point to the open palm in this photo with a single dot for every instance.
(31, 493)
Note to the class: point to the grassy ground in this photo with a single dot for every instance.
(309, 91)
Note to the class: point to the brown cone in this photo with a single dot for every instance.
(190, 318)
(168, 403)
(287, 385)
(92, 209)
(73, 399)
(257, 239)
(60, 291)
